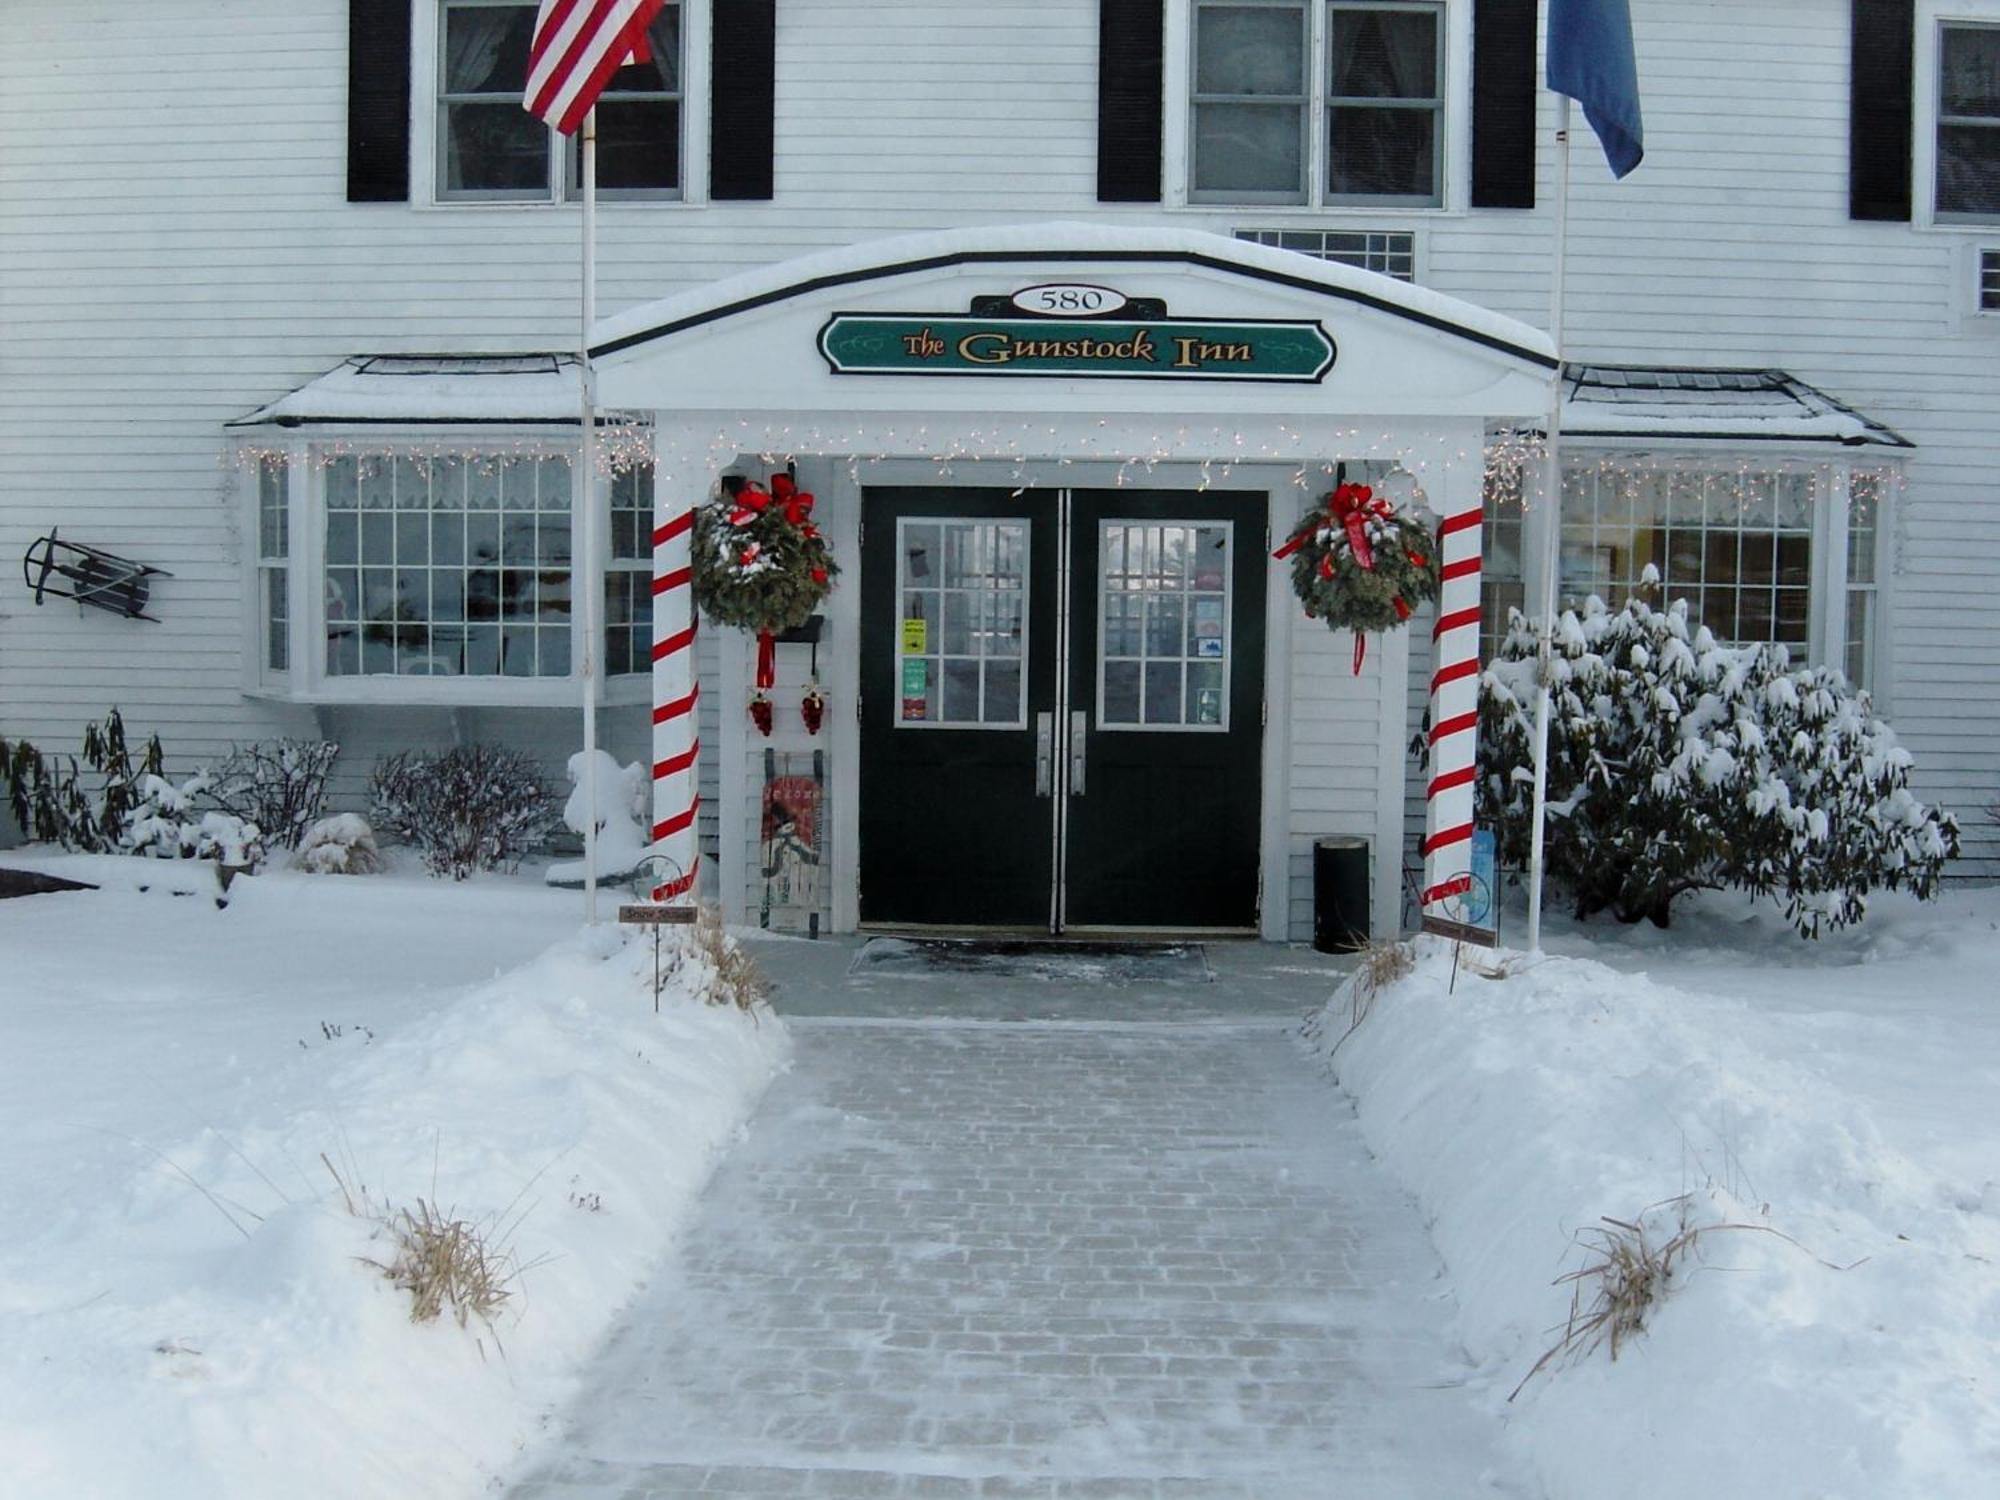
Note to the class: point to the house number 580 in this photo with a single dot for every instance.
(1068, 297)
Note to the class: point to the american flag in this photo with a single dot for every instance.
(578, 45)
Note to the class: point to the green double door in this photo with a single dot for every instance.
(1062, 704)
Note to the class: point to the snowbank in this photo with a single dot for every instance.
(1519, 1110)
(197, 1318)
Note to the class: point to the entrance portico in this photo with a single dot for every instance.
(1065, 688)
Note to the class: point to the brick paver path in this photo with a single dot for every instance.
(1072, 1259)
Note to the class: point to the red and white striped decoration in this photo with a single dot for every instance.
(1454, 719)
(577, 46)
(676, 696)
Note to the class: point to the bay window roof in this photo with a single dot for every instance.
(1728, 405)
(423, 389)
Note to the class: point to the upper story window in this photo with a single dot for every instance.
(490, 148)
(1968, 128)
(1317, 102)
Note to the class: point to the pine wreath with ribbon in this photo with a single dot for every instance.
(761, 564)
(1360, 565)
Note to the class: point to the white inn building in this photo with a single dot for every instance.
(1064, 310)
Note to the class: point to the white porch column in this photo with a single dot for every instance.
(676, 695)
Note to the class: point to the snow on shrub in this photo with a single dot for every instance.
(165, 824)
(476, 807)
(340, 845)
(1676, 763)
(280, 785)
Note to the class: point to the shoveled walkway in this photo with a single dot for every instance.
(1041, 1258)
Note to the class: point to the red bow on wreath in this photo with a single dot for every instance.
(750, 502)
(797, 503)
(1350, 508)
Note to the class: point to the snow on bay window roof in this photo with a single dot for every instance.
(1732, 405)
(419, 389)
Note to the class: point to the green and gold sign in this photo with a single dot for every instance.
(1167, 349)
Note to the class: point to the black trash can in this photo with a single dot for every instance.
(1340, 894)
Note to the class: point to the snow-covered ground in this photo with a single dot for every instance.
(185, 1304)
(1845, 1094)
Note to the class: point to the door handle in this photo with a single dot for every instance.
(1045, 754)
(1079, 735)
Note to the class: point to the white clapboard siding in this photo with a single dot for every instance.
(175, 249)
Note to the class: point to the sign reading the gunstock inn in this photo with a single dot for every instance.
(1120, 348)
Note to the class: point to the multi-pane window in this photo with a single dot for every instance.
(1388, 252)
(1163, 625)
(489, 147)
(962, 632)
(1968, 131)
(273, 568)
(1339, 101)
(1989, 280)
(1502, 578)
(628, 578)
(1864, 535)
(1737, 546)
(447, 566)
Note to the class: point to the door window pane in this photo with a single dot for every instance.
(962, 633)
(1163, 625)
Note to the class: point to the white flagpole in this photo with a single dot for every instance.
(1552, 540)
(586, 491)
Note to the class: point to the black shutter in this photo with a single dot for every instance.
(1879, 102)
(378, 101)
(742, 89)
(1131, 70)
(1503, 104)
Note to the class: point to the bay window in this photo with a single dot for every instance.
(431, 576)
(1761, 551)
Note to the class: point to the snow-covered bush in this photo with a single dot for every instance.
(280, 785)
(623, 818)
(166, 824)
(476, 807)
(50, 802)
(1676, 763)
(343, 844)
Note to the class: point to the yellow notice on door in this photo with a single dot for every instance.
(915, 634)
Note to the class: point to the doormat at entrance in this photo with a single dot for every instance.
(1028, 958)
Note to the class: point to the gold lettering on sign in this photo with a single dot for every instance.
(1192, 353)
(925, 345)
(993, 348)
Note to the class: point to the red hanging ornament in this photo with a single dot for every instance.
(760, 714)
(767, 662)
(812, 708)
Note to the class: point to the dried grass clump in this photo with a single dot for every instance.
(445, 1263)
(1382, 964)
(738, 980)
(1633, 1269)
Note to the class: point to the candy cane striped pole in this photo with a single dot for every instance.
(676, 695)
(1454, 719)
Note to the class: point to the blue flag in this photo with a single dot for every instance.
(1590, 59)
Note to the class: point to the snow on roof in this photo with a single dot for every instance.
(1021, 244)
(1638, 401)
(419, 388)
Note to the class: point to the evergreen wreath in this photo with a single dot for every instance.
(759, 562)
(1360, 565)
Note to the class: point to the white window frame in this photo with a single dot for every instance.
(1454, 149)
(307, 680)
(426, 33)
(1026, 526)
(1827, 594)
(1145, 658)
(1932, 17)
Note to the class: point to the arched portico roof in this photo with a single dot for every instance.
(1083, 247)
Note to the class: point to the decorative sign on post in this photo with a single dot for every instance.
(1254, 349)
